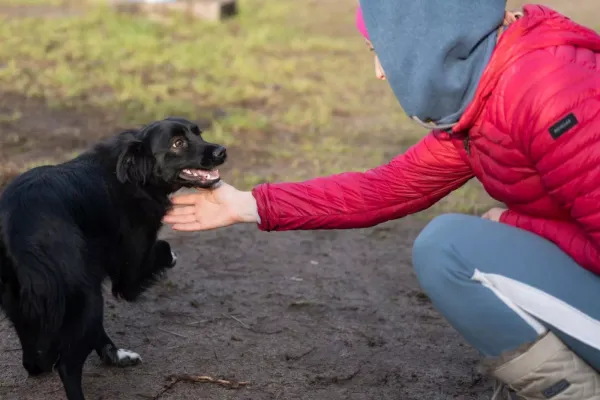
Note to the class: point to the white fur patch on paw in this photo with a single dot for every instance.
(174, 256)
(123, 354)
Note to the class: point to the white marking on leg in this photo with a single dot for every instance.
(528, 318)
(545, 307)
(123, 354)
(174, 256)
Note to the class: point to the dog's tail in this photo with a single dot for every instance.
(45, 287)
(46, 267)
(39, 293)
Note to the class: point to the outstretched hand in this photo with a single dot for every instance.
(494, 214)
(211, 208)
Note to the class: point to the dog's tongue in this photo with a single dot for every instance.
(202, 173)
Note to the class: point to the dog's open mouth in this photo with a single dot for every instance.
(201, 176)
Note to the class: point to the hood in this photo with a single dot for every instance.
(433, 52)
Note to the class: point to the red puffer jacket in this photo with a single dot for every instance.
(531, 136)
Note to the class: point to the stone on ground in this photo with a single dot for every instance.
(208, 10)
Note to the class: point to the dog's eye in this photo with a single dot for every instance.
(178, 143)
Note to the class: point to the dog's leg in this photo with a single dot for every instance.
(144, 270)
(164, 256)
(71, 379)
(111, 355)
(70, 370)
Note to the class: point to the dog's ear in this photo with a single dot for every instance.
(135, 163)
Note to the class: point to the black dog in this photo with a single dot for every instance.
(65, 228)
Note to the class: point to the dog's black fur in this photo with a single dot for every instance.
(65, 228)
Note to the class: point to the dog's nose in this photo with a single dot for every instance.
(219, 153)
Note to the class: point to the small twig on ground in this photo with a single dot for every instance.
(238, 320)
(299, 356)
(173, 333)
(250, 328)
(175, 379)
(275, 332)
(198, 322)
(8, 385)
(208, 379)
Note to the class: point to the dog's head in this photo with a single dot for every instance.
(170, 153)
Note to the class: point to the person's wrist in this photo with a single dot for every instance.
(248, 208)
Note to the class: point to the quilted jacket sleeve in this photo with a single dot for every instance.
(411, 182)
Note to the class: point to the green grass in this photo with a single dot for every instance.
(291, 80)
(31, 2)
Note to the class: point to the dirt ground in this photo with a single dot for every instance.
(300, 315)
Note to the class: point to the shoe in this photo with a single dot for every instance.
(502, 392)
(546, 370)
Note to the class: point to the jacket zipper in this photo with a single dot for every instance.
(467, 144)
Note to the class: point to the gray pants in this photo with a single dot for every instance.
(501, 286)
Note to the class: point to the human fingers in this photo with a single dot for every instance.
(179, 219)
(191, 227)
(182, 210)
(187, 199)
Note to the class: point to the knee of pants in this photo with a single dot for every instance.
(434, 253)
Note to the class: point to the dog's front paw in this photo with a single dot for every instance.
(119, 357)
(173, 259)
(126, 358)
(164, 256)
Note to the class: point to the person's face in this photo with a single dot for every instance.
(379, 73)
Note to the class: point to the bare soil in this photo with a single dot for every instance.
(327, 315)
(298, 315)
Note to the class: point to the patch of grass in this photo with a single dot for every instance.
(288, 84)
(31, 2)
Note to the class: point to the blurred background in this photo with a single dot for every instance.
(287, 85)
